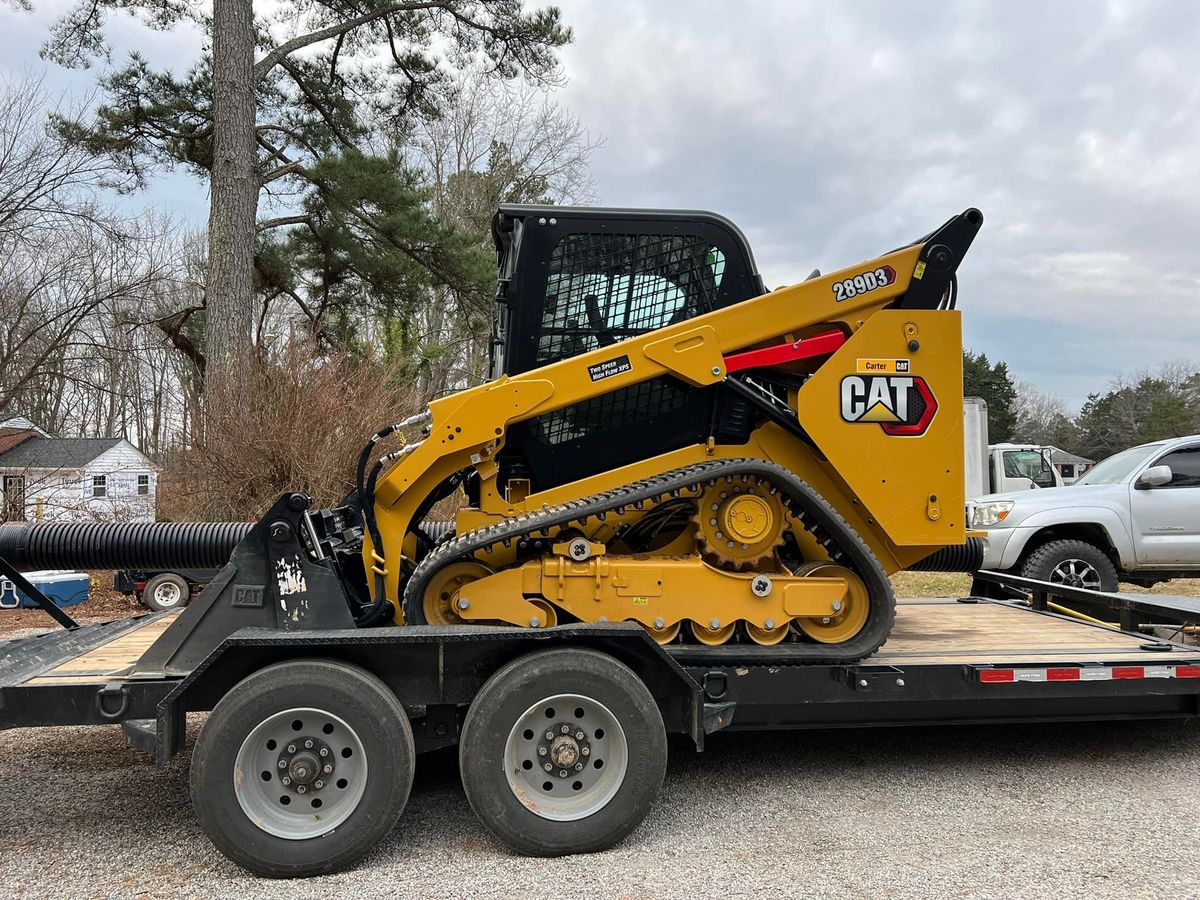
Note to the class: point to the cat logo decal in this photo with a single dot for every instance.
(902, 405)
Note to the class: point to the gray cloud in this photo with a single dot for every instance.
(833, 131)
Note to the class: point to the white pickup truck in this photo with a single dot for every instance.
(1135, 517)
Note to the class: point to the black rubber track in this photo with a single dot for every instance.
(839, 540)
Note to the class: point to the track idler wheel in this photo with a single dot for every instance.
(439, 600)
(856, 606)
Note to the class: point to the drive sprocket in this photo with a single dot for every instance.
(739, 522)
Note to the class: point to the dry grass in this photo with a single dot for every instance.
(952, 584)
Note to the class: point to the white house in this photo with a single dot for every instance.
(46, 478)
(1070, 466)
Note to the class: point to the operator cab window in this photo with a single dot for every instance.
(1185, 467)
(604, 288)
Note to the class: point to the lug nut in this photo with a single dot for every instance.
(318, 784)
(548, 767)
(586, 751)
(285, 781)
(324, 751)
(549, 735)
(300, 789)
(308, 744)
(566, 729)
(541, 751)
(578, 767)
(283, 764)
(327, 769)
(562, 773)
(579, 735)
(291, 748)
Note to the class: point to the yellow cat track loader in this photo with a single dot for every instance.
(664, 441)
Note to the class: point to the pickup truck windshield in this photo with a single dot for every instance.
(1031, 464)
(1117, 468)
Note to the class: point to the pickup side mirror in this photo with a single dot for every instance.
(1155, 476)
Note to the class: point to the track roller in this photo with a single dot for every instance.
(712, 636)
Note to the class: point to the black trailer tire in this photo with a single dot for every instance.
(1071, 562)
(340, 708)
(166, 591)
(595, 807)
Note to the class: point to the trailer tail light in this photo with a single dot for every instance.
(1085, 673)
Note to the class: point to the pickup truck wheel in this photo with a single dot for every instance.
(1072, 563)
(166, 591)
(302, 768)
(562, 751)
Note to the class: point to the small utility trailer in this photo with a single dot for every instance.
(308, 757)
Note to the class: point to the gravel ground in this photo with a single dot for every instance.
(1036, 811)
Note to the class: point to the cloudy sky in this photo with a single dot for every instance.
(834, 131)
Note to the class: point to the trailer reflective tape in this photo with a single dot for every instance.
(1086, 673)
(1119, 672)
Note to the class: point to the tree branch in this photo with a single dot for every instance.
(284, 220)
(276, 56)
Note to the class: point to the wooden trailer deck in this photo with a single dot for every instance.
(110, 660)
(927, 632)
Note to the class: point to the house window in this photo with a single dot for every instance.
(14, 498)
(99, 485)
(1068, 470)
(143, 485)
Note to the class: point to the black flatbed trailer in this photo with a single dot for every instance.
(949, 661)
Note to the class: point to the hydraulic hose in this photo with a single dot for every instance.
(125, 545)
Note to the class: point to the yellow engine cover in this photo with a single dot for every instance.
(886, 411)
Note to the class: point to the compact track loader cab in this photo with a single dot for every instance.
(662, 441)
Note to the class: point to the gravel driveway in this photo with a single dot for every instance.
(1047, 811)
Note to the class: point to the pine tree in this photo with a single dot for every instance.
(313, 125)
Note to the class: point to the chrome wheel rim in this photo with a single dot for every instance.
(287, 786)
(1076, 573)
(585, 748)
(167, 594)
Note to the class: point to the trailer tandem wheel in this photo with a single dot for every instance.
(302, 768)
(562, 751)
